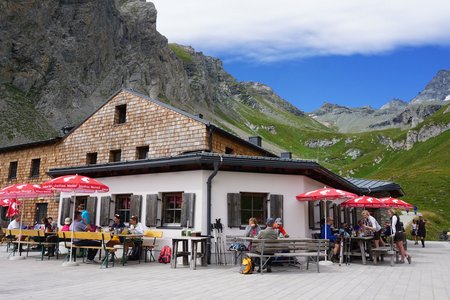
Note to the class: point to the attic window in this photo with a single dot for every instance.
(35, 165)
(120, 115)
(91, 158)
(115, 155)
(13, 170)
(142, 152)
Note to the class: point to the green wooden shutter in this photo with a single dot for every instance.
(151, 216)
(234, 209)
(135, 206)
(65, 210)
(105, 209)
(91, 207)
(276, 206)
(188, 210)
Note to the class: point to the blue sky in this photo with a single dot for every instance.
(348, 52)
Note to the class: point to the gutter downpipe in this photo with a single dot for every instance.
(217, 165)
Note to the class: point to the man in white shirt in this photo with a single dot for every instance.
(15, 223)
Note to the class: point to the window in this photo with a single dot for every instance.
(41, 212)
(91, 158)
(172, 208)
(245, 205)
(35, 165)
(142, 152)
(115, 155)
(253, 205)
(123, 205)
(13, 170)
(229, 150)
(120, 115)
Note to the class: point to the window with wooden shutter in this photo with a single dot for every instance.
(65, 210)
(152, 216)
(122, 206)
(234, 209)
(188, 210)
(276, 206)
(91, 207)
(105, 210)
(135, 206)
(172, 206)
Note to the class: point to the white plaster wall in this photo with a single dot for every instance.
(295, 212)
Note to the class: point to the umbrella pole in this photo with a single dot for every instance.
(71, 263)
(326, 261)
(20, 238)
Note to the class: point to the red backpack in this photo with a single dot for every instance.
(165, 255)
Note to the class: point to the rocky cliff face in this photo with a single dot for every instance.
(60, 59)
(395, 114)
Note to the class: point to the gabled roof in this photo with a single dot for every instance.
(162, 104)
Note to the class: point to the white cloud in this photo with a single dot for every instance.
(265, 31)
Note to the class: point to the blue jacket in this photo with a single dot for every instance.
(330, 236)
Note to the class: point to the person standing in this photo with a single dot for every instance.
(397, 235)
(84, 214)
(414, 231)
(415, 210)
(421, 229)
(373, 226)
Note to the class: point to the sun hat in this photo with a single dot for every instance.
(278, 221)
(67, 221)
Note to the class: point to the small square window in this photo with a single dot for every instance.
(35, 166)
(120, 115)
(142, 152)
(13, 170)
(115, 155)
(229, 150)
(91, 158)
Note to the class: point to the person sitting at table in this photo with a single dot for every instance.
(251, 230)
(78, 225)
(136, 226)
(136, 244)
(278, 226)
(326, 232)
(372, 226)
(270, 234)
(15, 224)
(67, 222)
(117, 226)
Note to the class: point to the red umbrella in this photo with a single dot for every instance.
(364, 201)
(75, 184)
(8, 202)
(13, 206)
(23, 191)
(325, 194)
(396, 203)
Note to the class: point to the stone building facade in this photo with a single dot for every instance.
(127, 127)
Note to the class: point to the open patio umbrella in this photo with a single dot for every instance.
(23, 191)
(396, 203)
(325, 194)
(364, 201)
(75, 184)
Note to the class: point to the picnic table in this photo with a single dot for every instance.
(364, 249)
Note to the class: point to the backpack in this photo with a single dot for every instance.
(247, 266)
(165, 255)
(237, 247)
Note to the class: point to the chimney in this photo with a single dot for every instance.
(287, 155)
(200, 116)
(256, 140)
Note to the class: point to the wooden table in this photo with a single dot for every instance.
(125, 238)
(364, 242)
(185, 253)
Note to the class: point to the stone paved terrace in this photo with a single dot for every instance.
(428, 277)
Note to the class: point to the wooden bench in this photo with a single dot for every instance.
(311, 249)
(25, 237)
(381, 252)
(102, 237)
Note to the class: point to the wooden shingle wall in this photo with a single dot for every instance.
(165, 132)
(221, 142)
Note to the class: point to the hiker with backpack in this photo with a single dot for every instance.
(397, 234)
